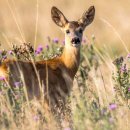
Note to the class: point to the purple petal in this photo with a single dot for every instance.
(40, 48)
(128, 56)
(2, 78)
(123, 68)
(112, 106)
(17, 84)
(47, 46)
(37, 52)
(4, 57)
(56, 40)
(10, 53)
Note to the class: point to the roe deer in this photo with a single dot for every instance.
(54, 76)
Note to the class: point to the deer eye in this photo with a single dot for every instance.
(80, 30)
(67, 31)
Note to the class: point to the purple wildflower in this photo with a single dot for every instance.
(10, 52)
(37, 52)
(129, 89)
(123, 68)
(4, 57)
(128, 56)
(112, 106)
(17, 84)
(39, 49)
(47, 46)
(36, 118)
(2, 78)
(56, 40)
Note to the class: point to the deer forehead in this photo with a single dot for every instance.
(73, 25)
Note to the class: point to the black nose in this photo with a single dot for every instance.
(75, 40)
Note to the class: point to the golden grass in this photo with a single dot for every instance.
(31, 21)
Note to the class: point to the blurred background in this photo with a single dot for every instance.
(30, 21)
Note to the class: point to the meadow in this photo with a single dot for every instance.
(100, 99)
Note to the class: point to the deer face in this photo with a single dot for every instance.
(73, 33)
(73, 29)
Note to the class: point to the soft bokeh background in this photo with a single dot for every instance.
(18, 20)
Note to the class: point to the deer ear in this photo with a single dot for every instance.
(87, 17)
(58, 17)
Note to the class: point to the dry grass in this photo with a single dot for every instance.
(19, 18)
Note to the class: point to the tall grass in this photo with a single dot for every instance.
(96, 102)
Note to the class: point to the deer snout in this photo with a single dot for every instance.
(75, 40)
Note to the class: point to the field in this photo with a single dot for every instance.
(100, 98)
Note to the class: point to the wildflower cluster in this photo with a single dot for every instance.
(23, 52)
(122, 77)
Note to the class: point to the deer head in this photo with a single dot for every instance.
(73, 29)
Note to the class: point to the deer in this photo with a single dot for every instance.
(54, 76)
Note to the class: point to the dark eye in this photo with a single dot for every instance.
(67, 31)
(80, 30)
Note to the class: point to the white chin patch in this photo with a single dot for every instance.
(76, 45)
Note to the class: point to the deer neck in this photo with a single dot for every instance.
(71, 58)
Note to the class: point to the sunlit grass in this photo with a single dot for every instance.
(95, 100)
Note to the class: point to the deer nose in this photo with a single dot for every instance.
(75, 40)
